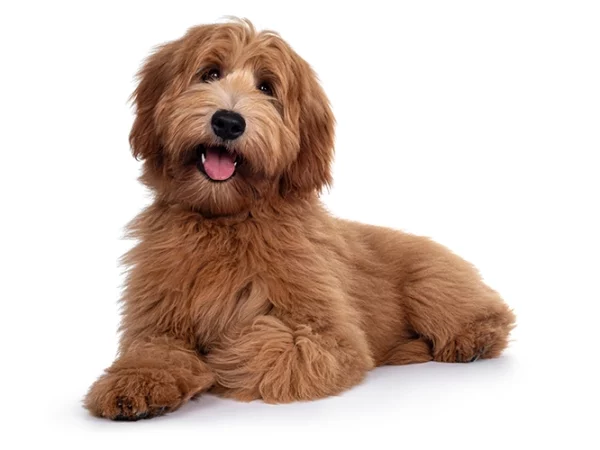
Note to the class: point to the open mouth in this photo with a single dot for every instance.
(216, 162)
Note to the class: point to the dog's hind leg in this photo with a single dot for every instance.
(449, 305)
(410, 351)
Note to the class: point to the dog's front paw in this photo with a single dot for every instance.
(133, 394)
(280, 364)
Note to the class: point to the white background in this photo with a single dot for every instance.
(476, 123)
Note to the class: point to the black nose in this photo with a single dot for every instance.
(228, 125)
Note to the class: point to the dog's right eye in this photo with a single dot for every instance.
(211, 74)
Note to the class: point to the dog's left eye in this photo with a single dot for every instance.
(265, 88)
(212, 74)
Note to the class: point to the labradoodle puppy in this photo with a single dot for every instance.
(241, 283)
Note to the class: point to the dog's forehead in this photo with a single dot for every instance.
(238, 48)
(260, 50)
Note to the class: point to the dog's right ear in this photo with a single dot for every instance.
(153, 77)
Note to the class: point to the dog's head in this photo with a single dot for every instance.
(226, 116)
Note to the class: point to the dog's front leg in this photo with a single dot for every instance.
(151, 377)
(309, 346)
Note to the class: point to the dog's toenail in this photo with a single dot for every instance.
(125, 418)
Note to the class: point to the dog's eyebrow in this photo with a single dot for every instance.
(211, 55)
(267, 75)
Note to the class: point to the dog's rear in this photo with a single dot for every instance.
(419, 301)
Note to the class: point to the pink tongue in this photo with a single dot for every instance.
(218, 165)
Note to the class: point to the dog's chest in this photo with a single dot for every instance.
(220, 309)
(225, 287)
(207, 281)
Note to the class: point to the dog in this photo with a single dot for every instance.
(241, 283)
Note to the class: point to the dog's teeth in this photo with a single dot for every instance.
(235, 163)
(203, 158)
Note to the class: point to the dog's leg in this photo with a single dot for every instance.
(409, 351)
(309, 346)
(150, 378)
(280, 362)
(448, 304)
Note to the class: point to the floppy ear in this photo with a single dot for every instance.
(312, 169)
(153, 79)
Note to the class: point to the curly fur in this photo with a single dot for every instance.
(250, 288)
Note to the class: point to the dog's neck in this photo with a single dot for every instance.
(268, 210)
(226, 219)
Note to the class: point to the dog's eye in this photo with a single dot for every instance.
(265, 88)
(211, 74)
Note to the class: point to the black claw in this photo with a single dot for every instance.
(140, 416)
(125, 418)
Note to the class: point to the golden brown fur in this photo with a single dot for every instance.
(248, 287)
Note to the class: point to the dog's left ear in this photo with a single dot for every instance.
(312, 169)
(153, 78)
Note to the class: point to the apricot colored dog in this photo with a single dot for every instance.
(241, 283)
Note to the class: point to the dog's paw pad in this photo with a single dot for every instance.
(124, 404)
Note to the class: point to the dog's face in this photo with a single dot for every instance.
(227, 116)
